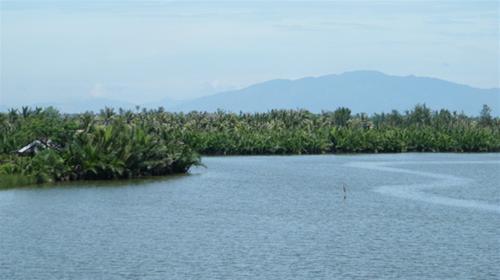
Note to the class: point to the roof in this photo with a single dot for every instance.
(31, 146)
(37, 144)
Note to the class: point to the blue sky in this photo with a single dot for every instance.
(140, 51)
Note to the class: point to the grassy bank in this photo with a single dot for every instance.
(14, 181)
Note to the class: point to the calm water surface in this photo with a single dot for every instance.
(406, 216)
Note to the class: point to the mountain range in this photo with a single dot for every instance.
(361, 91)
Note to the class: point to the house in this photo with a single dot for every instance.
(36, 146)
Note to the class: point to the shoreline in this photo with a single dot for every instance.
(141, 180)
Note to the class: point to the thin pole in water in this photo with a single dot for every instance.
(345, 191)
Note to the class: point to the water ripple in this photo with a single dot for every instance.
(416, 191)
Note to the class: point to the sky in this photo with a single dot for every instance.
(145, 51)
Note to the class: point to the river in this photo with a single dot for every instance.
(402, 216)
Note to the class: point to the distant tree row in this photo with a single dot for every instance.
(125, 143)
(302, 132)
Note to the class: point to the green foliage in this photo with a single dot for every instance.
(126, 144)
(301, 132)
(485, 118)
(105, 146)
(341, 116)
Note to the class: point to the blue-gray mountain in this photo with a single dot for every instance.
(361, 91)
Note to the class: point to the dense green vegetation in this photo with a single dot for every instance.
(302, 132)
(87, 146)
(127, 144)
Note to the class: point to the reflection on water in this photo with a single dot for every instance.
(406, 216)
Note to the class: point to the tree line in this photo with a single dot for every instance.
(127, 144)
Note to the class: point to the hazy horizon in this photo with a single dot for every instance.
(141, 52)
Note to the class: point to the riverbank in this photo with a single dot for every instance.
(15, 181)
(44, 145)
